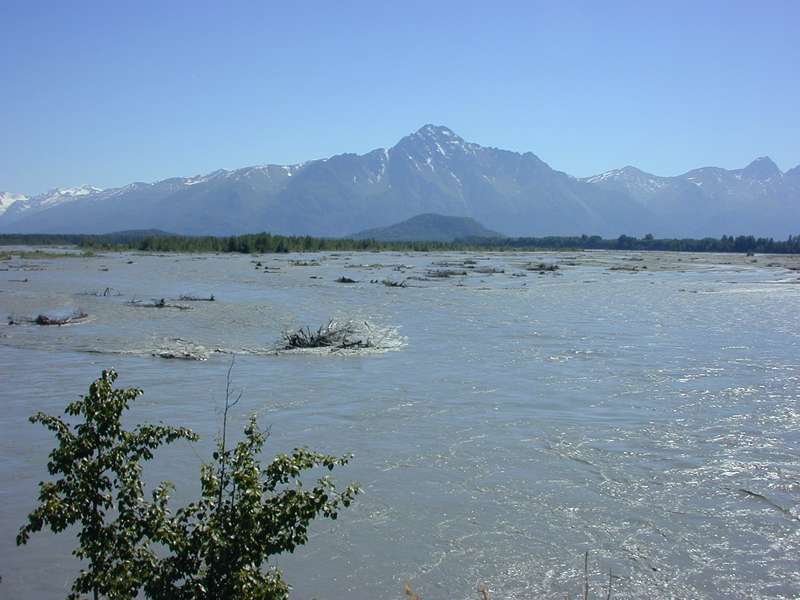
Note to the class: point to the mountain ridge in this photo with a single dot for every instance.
(432, 170)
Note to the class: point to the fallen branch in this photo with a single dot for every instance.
(398, 284)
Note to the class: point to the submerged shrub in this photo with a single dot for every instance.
(335, 334)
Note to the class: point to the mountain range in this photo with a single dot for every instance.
(430, 171)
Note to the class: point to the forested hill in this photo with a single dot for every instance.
(429, 227)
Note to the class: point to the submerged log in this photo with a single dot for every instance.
(187, 298)
(161, 303)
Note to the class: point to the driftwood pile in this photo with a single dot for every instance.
(76, 317)
(394, 284)
(109, 291)
(542, 267)
(444, 273)
(449, 263)
(335, 335)
(304, 263)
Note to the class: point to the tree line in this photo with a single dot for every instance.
(267, 243)
(727, 243)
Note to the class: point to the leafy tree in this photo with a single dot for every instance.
(98, 486)
(215, 548)
(220, 544)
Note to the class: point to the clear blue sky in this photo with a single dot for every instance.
(112, 92)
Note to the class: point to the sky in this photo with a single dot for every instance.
(107, 93)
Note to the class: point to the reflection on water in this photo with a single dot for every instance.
(649, 416)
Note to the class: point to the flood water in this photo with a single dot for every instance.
(507, 423)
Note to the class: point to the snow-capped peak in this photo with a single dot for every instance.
(7, 199)
(761, 168)
(623, 173)
(437, 139)
(62, 195)
(52, 198)
(435, 130)
(612, 174)
(630, 178)
(194, 180)
(81, 190)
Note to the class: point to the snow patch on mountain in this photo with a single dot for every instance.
(57, 197)
(7, 199)
(631, 179)
(23, 206)
(63, 195)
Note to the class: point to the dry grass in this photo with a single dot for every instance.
(410, 593)
(483, 592)
(483, 589)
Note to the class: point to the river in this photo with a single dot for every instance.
(642, 407)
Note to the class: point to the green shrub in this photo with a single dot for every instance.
(217, 547)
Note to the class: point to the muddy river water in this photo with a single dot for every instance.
(643, 407)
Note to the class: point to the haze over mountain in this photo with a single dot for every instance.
(430, 171)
